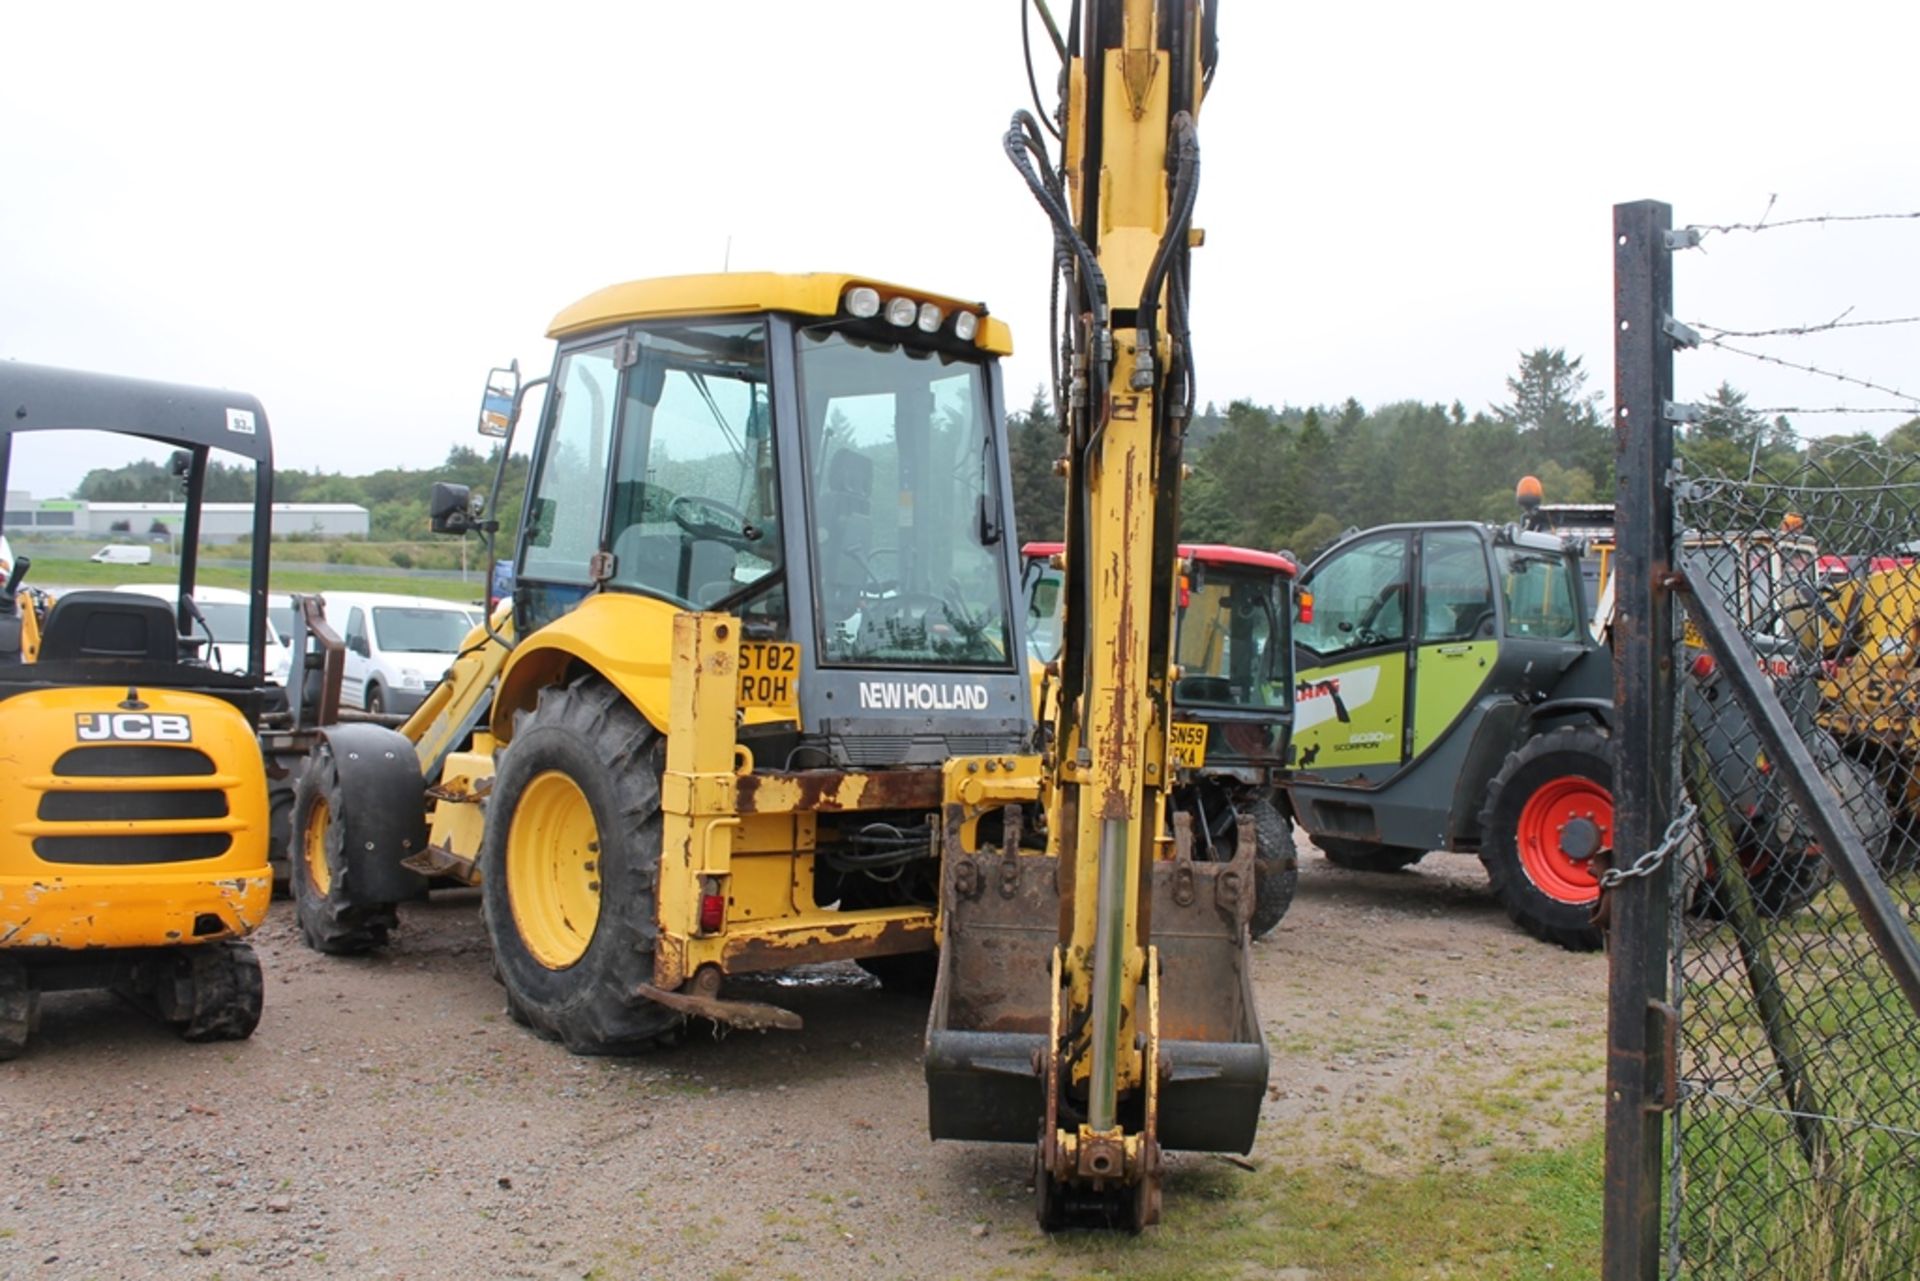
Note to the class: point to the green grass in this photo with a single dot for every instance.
(1528, 1216)
(307, 578)
(1757, 1204)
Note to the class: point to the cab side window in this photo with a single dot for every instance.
(1360, 598)
(1456, 591)
(563, 520)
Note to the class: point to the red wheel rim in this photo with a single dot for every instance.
(1544, 824)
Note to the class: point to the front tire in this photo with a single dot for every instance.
(1550, 811)
(376, 701)
(335, 917)
(570, 865)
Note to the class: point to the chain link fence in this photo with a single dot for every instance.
(1794, 1147)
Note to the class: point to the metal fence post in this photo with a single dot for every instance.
(1644, 715)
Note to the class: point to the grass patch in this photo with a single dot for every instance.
(1529, 1216)
(286, 578)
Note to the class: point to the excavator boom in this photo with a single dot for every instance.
(1143, 1033)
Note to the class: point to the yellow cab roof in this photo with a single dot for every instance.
(743, 292)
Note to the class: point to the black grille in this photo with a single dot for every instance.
(71, 807)
(158, 847)
(142, 760)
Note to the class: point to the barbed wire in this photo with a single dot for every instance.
(1794, 331)
(1812, 369)
(1830, 409)
(1722, 228)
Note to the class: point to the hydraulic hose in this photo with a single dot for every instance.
(1186, 190)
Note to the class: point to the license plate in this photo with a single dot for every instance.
(1187, 744)
(770, 674)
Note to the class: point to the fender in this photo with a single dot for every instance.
(1598, 710)
(627, 639)
(387, 820)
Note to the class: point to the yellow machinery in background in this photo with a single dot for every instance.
(1098, 994)
(133, 798)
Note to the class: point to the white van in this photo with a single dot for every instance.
(398, 647)
(226, 612)
(123, 554)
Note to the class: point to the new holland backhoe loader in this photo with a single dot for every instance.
(133, 795)
(1099, 992)
(762, 610)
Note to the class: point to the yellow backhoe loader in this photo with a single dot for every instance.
(759, 697)
(763, 599)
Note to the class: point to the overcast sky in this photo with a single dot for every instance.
(352, 211)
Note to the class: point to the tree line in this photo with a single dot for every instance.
(1292, 478)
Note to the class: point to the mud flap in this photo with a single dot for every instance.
(384, 820)
(987, 1029)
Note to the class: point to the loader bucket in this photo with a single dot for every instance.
(987, 1029)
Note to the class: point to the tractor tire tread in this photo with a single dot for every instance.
(589, 731)
(1547, 919)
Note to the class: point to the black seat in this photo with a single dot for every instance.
(120, 627)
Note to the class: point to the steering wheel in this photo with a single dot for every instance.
(904, 605)
(1365, 633)
(696, 515)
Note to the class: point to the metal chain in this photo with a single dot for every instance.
(1650, 862)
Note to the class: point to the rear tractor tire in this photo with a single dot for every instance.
(570, 867)
(1367, 856)
(19, 1009)
(1549, 812)
(334, 917)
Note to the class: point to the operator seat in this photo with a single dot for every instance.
(114, 627)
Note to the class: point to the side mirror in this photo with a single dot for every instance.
(359, 646)
(450, 508)
(496, 404)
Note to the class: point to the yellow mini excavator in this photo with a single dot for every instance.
(133, 795)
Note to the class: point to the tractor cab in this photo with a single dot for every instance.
(1232, 701)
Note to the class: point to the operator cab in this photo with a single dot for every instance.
(817, 455)
(131, 639)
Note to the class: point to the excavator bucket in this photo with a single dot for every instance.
(987, 1032)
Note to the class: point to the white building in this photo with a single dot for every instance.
(219, 522)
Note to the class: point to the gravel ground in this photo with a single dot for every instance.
(388, 1120)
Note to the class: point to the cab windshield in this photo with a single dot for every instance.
(906, 515)
(1230, 640)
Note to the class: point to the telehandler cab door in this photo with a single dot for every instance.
(1404, 636)
(1350, 697)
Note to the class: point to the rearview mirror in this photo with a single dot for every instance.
(450, 508)
(496, 404)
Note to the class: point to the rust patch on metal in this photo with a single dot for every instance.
(831, 942)
(829, 791)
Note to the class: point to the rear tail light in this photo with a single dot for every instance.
(1702, 667)
(713, 913)
(1306, 607)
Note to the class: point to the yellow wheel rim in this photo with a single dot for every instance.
(553, 877)
(314, 850)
